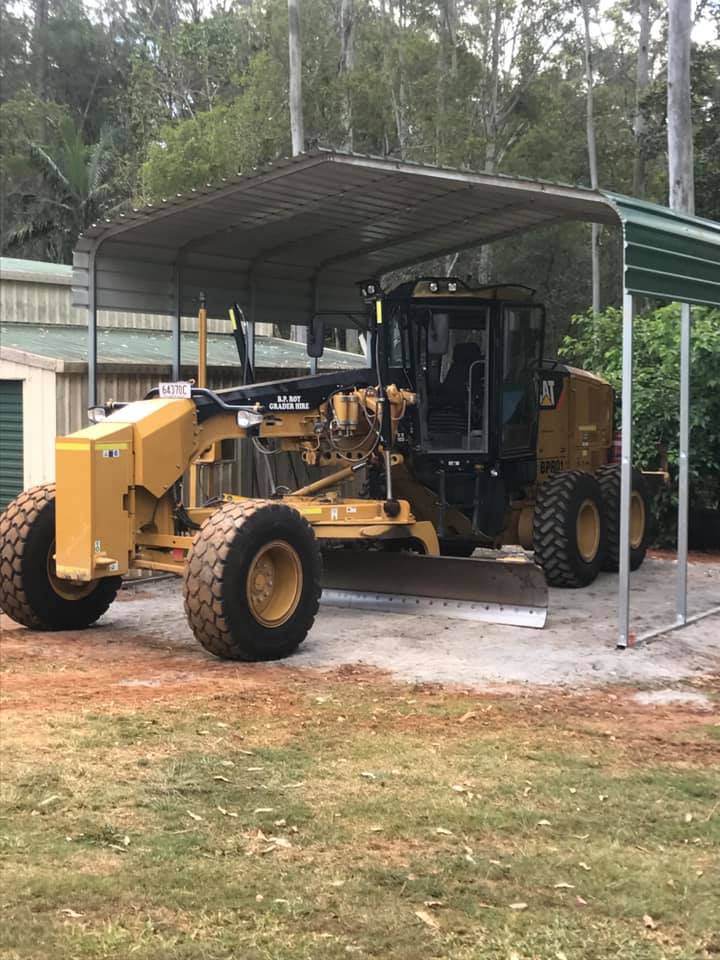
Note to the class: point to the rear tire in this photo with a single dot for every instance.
(30, 592)
(609, 480)
(569, 529)
(253, 581)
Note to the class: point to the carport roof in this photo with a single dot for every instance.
(293, 238)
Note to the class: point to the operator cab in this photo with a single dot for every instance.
(471, 355)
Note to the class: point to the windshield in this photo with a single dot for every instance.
(456, 380)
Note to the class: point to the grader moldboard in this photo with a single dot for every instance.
(464, 438)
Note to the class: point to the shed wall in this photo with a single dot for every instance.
(39, 413)
(42, 300)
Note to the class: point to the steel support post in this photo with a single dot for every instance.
(176, 339)
(251, 325)
(684, 453)
(92, 331)
(626, 473)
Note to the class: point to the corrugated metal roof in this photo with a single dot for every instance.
(153, 347)
(295, 237)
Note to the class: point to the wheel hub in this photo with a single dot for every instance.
(274, 583)
(588, 530)
(637, 520)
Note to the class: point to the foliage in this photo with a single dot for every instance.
(71, 191)
(217, 143)
(595, 343)
(194, 92)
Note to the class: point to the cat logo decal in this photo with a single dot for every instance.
(547, 395)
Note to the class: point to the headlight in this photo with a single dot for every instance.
(96, 414)
(452, 286)
(246, 418)
(433, 286)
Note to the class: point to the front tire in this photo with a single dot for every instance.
(30, 591)
(457, 548)
(253, 581)
(569, 529)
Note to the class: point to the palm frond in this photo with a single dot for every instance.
(100, 161)
(27, 233)
(50, 170)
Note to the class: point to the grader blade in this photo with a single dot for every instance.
(505, 591)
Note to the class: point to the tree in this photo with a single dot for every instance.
(679, 117)
(595, 343)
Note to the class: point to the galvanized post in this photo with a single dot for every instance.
(684, 451)
(252, 317)
(626, 473)
(92, 331)
(176, 344)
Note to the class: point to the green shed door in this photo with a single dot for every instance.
(11, 440)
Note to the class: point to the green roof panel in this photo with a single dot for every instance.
(125, 345)
(668, 254)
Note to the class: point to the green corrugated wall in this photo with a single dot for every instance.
(11, 440)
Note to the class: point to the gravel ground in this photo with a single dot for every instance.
(576, 648)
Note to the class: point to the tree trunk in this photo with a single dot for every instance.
(39, 45)
(347, 27)
(347, 62)
(400, 102)
(451, 22)
(297, 129)
(679, 119)
(642, 82)
(491, 119)
(592, 154)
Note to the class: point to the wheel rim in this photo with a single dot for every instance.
(67, 589)
(588, 530)
(637, 520)
(274, 583)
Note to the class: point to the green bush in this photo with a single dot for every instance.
(595, 343)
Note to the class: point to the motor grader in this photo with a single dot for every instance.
(456, 435)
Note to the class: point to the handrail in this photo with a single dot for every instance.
(470, 380)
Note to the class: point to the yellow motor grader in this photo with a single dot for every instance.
(456, 435)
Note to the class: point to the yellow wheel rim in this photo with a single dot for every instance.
(274, 583)
(67, 589)
(588, 530)
(637, 519)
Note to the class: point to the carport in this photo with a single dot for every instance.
(292, 240)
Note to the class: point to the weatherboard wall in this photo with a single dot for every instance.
(39, 413)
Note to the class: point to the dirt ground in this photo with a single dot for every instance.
(143, 646)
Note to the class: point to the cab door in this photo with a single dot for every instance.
(522, 344)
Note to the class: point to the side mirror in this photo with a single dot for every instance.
(439, 333)
(316, 337)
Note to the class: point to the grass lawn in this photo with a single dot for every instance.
(346, 817)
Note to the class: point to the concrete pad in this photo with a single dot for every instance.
(576, 648)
